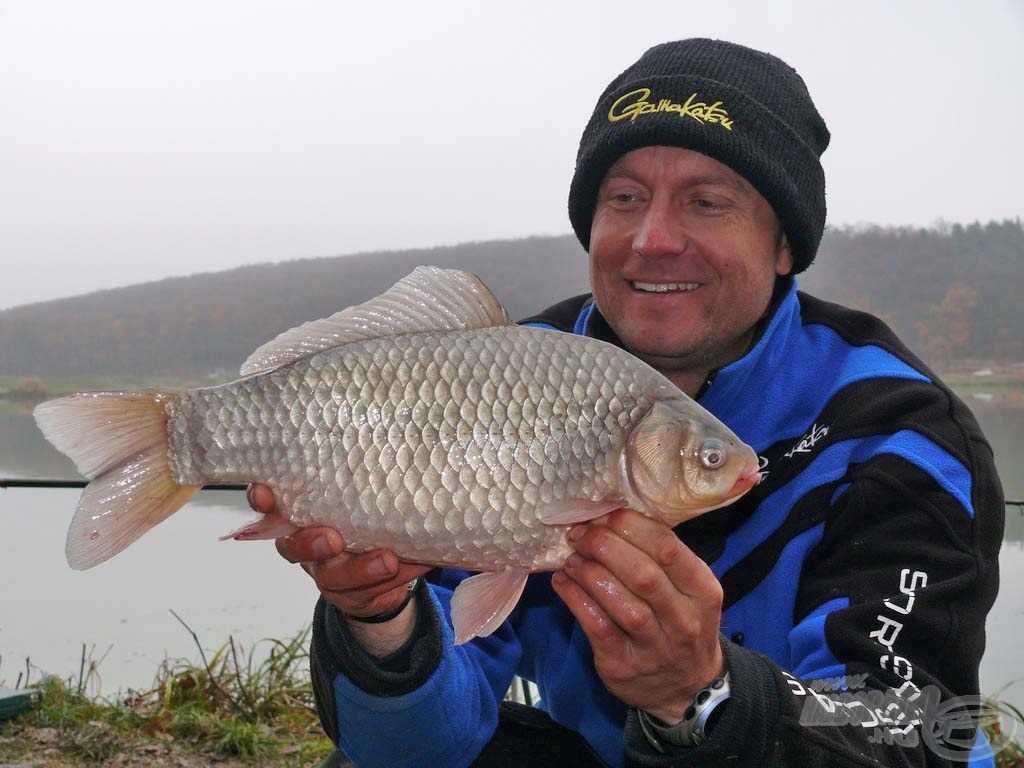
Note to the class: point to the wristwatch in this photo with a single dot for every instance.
(697, 720)
(380, 618)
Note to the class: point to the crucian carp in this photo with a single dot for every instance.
(422, 421)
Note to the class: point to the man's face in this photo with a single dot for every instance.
(683, 258)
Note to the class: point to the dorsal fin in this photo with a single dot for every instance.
(428, 299)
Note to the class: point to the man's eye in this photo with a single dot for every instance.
(622, 195)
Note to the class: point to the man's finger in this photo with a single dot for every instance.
(361, 599)
(630, 612)
(635, 572)
(594, 622)
(350, 571)
(311, 544)
(687, 572)
(261, 498)
(369, 569)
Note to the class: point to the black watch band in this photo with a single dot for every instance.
(380, 618)
(697, 720)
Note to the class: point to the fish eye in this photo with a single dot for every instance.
(712, 454)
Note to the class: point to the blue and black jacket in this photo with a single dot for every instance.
(857, 576)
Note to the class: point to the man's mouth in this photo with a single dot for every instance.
(663, 287)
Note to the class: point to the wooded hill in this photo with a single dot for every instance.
(951, 293)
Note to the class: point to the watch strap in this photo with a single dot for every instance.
(380, 618)
(693, 729)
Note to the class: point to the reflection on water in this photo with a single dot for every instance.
(47, 610)
(218, 588)
(121, 608)
(1003, 425)
(24, 451)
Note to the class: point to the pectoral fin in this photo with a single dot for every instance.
(571, 511)
(482, 602)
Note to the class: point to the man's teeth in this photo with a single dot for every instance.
(664, 287)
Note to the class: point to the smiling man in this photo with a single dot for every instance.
(833, 616)
(677, 234)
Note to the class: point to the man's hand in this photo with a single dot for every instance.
(363, 584)
(650, 607)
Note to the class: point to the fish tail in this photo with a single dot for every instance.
(119, 441)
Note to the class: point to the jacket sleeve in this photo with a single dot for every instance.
(430, 703)
(891, 610)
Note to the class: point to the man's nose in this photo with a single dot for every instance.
(661, 231)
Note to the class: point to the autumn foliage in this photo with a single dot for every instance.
(946, 329)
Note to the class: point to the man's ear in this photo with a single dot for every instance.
(783, 256)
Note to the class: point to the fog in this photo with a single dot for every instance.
(142, 140)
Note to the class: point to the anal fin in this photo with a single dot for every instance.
(271, 526)
(482, 602)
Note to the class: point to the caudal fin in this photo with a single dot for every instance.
(119, 441)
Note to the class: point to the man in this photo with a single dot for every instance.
(866, 557)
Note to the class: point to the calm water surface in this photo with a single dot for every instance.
(121, 608)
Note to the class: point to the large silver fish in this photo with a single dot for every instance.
(422, 421)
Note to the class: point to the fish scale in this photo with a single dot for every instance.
(411, 473)
(420, 421)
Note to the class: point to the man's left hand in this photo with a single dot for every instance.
(651, 608)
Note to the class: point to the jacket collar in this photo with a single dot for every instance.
(732, 385)
(725, 387)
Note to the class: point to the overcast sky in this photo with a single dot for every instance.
(142, 139)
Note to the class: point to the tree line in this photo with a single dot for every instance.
(951, 292)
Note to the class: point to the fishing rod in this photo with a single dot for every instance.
(38, 483)
(42, 483)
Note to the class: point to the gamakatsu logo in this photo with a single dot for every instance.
(637, 103)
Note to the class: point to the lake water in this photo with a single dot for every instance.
(122, 608)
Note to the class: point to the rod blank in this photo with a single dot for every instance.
(42, 483)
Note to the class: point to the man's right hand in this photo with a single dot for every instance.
(358, 584)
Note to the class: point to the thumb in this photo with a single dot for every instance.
(261, 498)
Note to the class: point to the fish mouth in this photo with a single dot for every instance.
(643, 287)
(750, 477)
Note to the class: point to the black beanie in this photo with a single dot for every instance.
(747, 109)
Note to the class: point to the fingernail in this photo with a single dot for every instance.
(379, 568)
(248, 496)
(322, 548)
(576, 533)
(573, 561)
(558, 578)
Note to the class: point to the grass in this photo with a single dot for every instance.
(252, 706)
(1000, 375)
(1011, 753)
(238, 707)
(961, 381)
